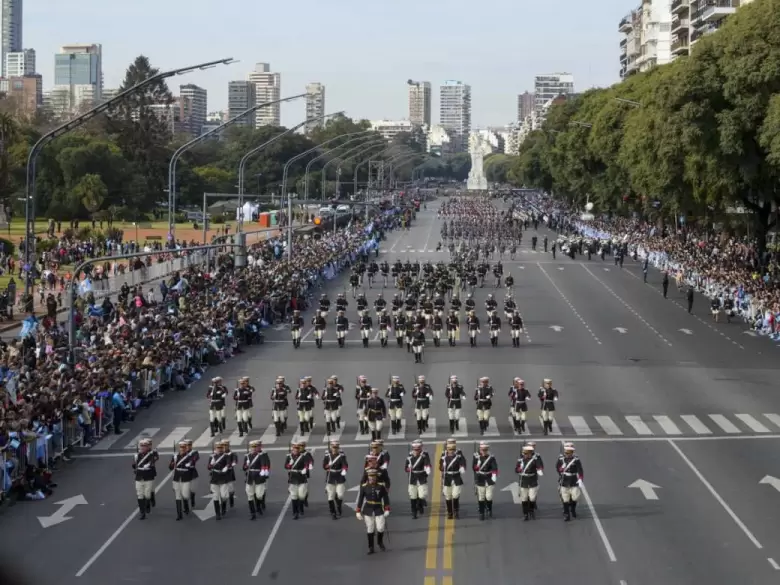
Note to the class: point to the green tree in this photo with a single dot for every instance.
(91, 192)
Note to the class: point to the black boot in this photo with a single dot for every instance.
(414, 508)
(481, 510)
(489, 508)
(449, 510)
(525, 511)
(371, 544)
(240, 429)
(522, 426)
(332, 508)
(545, 427)
(148, 506)
(142, 508)
(186, 506)
(456, 507)
(224, 508)
(305, 503)
(178, 510)
(452, 426)
(566, 512)
(232, 498)
(252, 510)
(153, 500)
(278, 426)
(380, 537)
(421, 503)
(420, 426)
(338, 506)
(259, 506)
(573, 508)
(213, 425)
(532, 509)
(457, 424)
(218, 509)
(425, 423)
(295, 507)
(262, 502)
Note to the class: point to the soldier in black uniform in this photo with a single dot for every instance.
(372, 462)
(194, 457)
(232, 475)
(519, 397)
(422, 395)
(320, 324)
(516, 323)
(418, 343)
(548, 396)
(296, 325)
(530, 468)
(324, 306)
(436, 328)
(375, 413)
(410, 329)
(257, 467)
(454, 393)
(341, 302)
(509, 307)
(331, 397)
(472, 322)
(362, 394)
(183, 466)
(485, 475)
(366, 327)
(385, 323)
(217, 395)
(452, 466)
(305, 397)
(377, 449)
(453, 327)
(298, 468)
(494, 321)
(471, 304)
(418, 468)
(340, 388)
(220, 468)
(395, 404)
(145, 471)
(335, 466)
(342, 327)
(279, 403)
(243, 398)
(399, 324)
(483, 396)
(491, 304)
(380, 304)
(397, 304)
(570, 477)
(373, 507)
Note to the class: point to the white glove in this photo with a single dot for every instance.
(387, 513)
(360, 516)
(540, 472)
(344, 472)
(579, 483)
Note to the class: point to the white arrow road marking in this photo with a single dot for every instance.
(751, 333)
(769, 480)
(208, 512)
(61, 515)
(606, 270)
(521, 267)
(686, 331)
(353, 505)
(560, 267)
(512, 488)
(556, 328)
(620, 329)
(647, 488)
(280, 327)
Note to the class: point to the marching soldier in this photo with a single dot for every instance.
(340, 388)
(279, 403)
(335, 466)
(341, 303)
(382, 455)
(233, 458)
(366, 327)
(194, 457)
(342, 326)
(519, 397)
(516, 323)
(422, 395)
(418, 468)
(145, 471)
(183, 466)
(309, 459)
(372, 463)
(570, 477)
(509, 306)
(494, 321)
(375, 413)
(331, 397)
(455, 395)
(399, 324)
(409, 333)
(257, 467)
(297, 478)
(395, 397)
(296, 325)
(320, 324)
(452, 466)
(490, 305)
(220, 468)
(243, 398)
(483, 396)
(548, 396)
(530, 468)
(305, 397)
(217, 395)
(373, 507)
(437, 327)
(362, 303)
(485, 475)
(380, 304)
(324, 305)
(362, 394)
(418, 343)
(472, 322)
(385, 324)
(453, 327)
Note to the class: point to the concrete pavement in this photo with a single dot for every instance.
(646, 404)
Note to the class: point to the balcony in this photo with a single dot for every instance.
(714, 10)
(679, 24)
(680, 6)
(680, 46)
(623, 43)
(626, 24)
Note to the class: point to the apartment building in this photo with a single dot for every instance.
(692, 19)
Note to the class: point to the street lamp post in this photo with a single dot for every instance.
(629, 102)
(184, 147)
(398, 160)
(357, 150)
(32, 157)
(324, 154)
(361, 163)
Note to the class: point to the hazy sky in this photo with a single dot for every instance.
(363, 51)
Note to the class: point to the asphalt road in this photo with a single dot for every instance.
(674, 418)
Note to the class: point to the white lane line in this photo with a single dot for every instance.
(203, 441)
(431, 432)
(119, 530)
(430, 232)
(667, 425)
(698, 427)
(269, 436)
(608, 425)
(236, 437)
(639, 425)
(144, 434)
(725, 424)
(563, 296)
(108, 441)
(715, 494)
(773, 418)
(556, 430)
(774, 564)
(175, 436)
(580, 425)
(463, 428)
(306, 335)
(626, 305)
(272, 536)
(402, 434)
(336, 435)
(752, 423)
(492, 430)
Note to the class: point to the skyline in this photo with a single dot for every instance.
(367, 82)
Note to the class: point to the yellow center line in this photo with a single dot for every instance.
(432, 548)
(449, 533)
(446, 580)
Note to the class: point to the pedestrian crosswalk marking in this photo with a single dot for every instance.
(431, 432)
(108, 441)
(580, 425)
(773, 418)
(236, 438)
(462, 431)
(175, 436)
(639, 425)
(269, 436)
(609, 426)
(698, 427)
(336, 435)
(301, 437)
(667, 425)
(492, 430)
(402, 434)
(555, 428)
(360, 437)
(725, 424)
(203, 441)
(752, 423)
(144, 434)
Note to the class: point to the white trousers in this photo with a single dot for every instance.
(374, 523)
(494, 333)
(473, 333)
(255, 490)
(331, 415)
(279, 415)
(305, 415)
(569, 494)
(453, 413)
(144, 489)
(182, 490)
(421, 413)
(528, 494)
(515, 334)
(518, 414)
(216, 415)
(361, 415)
(296, 334)
(341, 334)
(418, 491)
(243, 415)
(375, 426)
(335, 490)
(383, 334)
(396, 413)
(437, 334)
(219, 492)
(318, 333)
(548, 415)
(298, 492)
(485, 492)
(483, 415)
(417, 349)
(364, 333)
(452, 491)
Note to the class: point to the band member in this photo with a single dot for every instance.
(297, 478)
(530, 468)
(385, 324)
(331, 397)
(519, 397)
(453, 327)
(366, 327)
(194, 457)
(516, 323)
(485, 474)
(296, 325)
(183, 466)
(472, 322)
(320, 324)
(279, 403)
(220, 468)
(335, 466)
(243, 397)
(395, 395)
(257, 467)
(305, 397)
(483, 396)
(455, 395)
(217, 395)
(422, 395)
(362, 394)
(372, 462)
(145, 471)
(494, 321)
(373, 506)
(418, 468)
(342, 327)
(570, 477)
(452, 466)
(418, 343)
(375, 413)
(548, 396)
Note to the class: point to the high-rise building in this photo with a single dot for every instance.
(20, 63)
(78, 77)
(241, 97)
(268, 88)
(549, 86)
(420, 103)
(25, 92)
(525, 105)
(455, 112)
(315, 106)
(198, 98)
(692, 19)
(10, 30)
(647, 37)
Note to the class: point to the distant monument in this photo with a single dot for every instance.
(478, 149)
